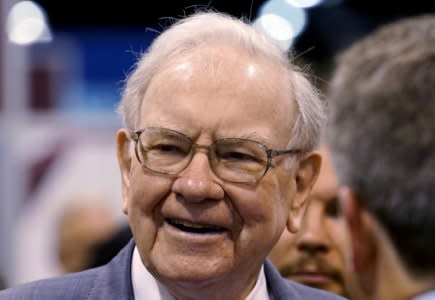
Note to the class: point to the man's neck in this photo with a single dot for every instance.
(145, 286)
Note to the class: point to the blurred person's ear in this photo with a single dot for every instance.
(362, 232)
(306, 176)
(124, 159)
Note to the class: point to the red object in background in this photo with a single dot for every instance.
(41, 84)
(40, 167)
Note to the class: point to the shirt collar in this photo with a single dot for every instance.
(145, 286)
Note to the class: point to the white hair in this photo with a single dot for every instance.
(205, 28)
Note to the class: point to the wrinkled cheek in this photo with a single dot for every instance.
(145, 200)
(261, 226)
(145, 234)
(139, 215)
(279, 196)
(271, 201)
(287, 194)
(148, 192)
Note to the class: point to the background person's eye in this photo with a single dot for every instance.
(332, 208)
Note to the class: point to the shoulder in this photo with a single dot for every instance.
(280, 288)
(68, 287)
(109, 282)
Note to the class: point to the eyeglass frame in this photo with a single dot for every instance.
(270, 153)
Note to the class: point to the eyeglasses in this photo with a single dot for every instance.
(237, 160)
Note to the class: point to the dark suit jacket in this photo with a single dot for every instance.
(113, 282)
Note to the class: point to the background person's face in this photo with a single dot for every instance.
(209, 95)
(315, 256)
(83, 226)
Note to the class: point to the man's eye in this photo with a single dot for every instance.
(168, 149)
(165, 148)
(238, 156)
(332, 208)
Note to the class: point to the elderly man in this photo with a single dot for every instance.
(216, 160)
(315, 255)
(382, 137)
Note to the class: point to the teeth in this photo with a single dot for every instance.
(194, 227)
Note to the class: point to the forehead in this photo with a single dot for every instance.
(222, 84)
(225, 66)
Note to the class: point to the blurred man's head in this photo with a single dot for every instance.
(315, 255)
(83, 225)
(382, 139)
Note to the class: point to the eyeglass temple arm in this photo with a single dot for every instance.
(272, 153)
(135, 135)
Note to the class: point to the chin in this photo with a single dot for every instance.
(190, 270)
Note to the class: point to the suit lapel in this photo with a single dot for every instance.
(114, 279)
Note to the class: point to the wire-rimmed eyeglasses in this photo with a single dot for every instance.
(166, 151)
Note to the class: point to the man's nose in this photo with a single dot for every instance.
(313, 238)
(197, 182)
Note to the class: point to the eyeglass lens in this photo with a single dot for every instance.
(169, 152)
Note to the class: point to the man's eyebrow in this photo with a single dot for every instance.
(252, 136)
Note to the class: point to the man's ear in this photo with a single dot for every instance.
(362, 234)
(124, 160)
(306, 176)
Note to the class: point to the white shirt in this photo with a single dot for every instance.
(146, 287)
(430, 295)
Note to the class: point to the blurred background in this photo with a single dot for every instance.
(62, 66)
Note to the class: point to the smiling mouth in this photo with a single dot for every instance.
(194, 227)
